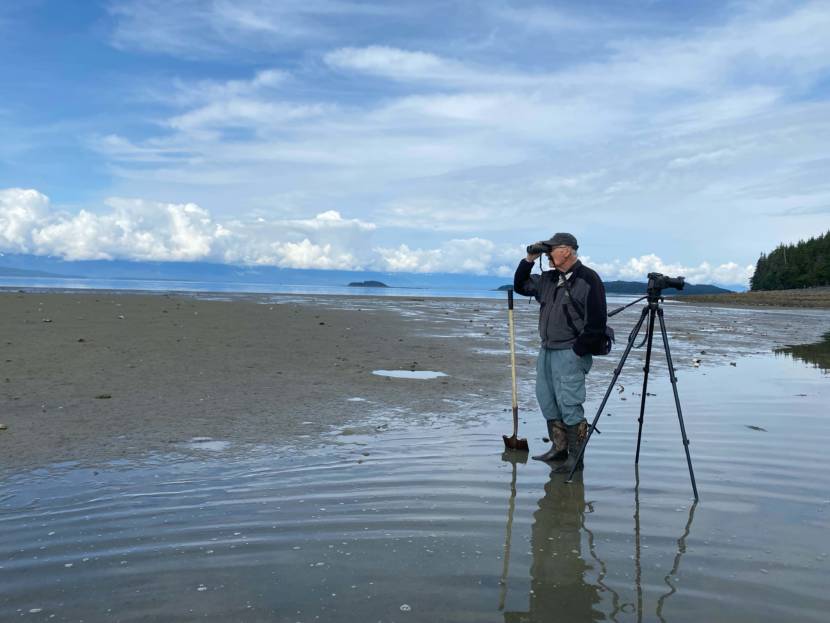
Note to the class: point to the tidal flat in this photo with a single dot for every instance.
(174, 458)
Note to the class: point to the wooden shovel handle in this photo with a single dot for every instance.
(513, 361)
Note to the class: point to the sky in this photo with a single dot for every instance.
(425, 136)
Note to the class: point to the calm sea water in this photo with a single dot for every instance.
(425, 519)
(147, 285)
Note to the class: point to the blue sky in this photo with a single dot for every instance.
(684, 137)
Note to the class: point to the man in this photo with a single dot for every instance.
(572, 317)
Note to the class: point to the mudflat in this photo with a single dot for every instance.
(109, 374)
(814, 298)
(91, 375)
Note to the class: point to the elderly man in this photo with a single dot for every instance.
(572, 318)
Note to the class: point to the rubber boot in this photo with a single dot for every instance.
(576, 436)
(557, 431)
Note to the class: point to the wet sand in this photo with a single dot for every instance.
(815, 298)
(309, 505)
(106, 375)
(102, 375)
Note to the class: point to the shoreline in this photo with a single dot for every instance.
(806, 298)
(232, 296)
(303, 291)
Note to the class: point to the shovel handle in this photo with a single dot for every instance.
(513, 361)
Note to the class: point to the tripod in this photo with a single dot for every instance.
(651, 310)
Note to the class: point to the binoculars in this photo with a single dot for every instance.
(539, 247)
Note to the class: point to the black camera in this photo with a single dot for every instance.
(539, 247)
(658, 281)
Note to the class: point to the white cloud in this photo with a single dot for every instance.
(305, 254)
(132, 229)
(196, 92)
(398, 64)
(636, 269)
(20, 212)
(689, 138)
(219, 28)
(245, 113)
(136, 229)
(486, 114)
(706, 158)
(469, 255)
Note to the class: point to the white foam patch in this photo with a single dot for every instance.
(409, 374)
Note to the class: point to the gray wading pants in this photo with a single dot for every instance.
(560, 384)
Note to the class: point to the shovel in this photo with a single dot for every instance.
(513, 442)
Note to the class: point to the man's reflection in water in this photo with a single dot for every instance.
(560, 591)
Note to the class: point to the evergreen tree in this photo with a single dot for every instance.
(802, 265)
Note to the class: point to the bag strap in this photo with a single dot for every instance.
(579, 307)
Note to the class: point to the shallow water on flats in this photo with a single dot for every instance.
(423, 519)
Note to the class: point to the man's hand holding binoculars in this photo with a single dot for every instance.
(536, 250)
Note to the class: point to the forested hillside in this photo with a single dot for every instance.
(801, 265)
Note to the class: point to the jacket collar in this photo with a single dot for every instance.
(573, 269)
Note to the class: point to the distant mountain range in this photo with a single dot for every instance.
(40, 266)
(15, 265)
(636, 287)
(6, 271)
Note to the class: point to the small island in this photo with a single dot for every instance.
(367, 284)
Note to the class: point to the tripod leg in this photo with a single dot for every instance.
(645, 383)
(677, 400)
(617, 371)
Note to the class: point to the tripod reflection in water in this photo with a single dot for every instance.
(568, 583)
(671, 575)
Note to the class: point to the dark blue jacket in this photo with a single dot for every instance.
(571, 316)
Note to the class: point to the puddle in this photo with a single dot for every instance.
(206, 443)
(409, 374)
(817, 355)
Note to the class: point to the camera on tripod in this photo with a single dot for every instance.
(658, 281)
(653, 311)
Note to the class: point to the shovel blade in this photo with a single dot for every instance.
(515, 443)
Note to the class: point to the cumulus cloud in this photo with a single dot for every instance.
(636, 269)
(137, 229)
(473, 255)
(20, 212)
(305, 254)
(131, 229)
